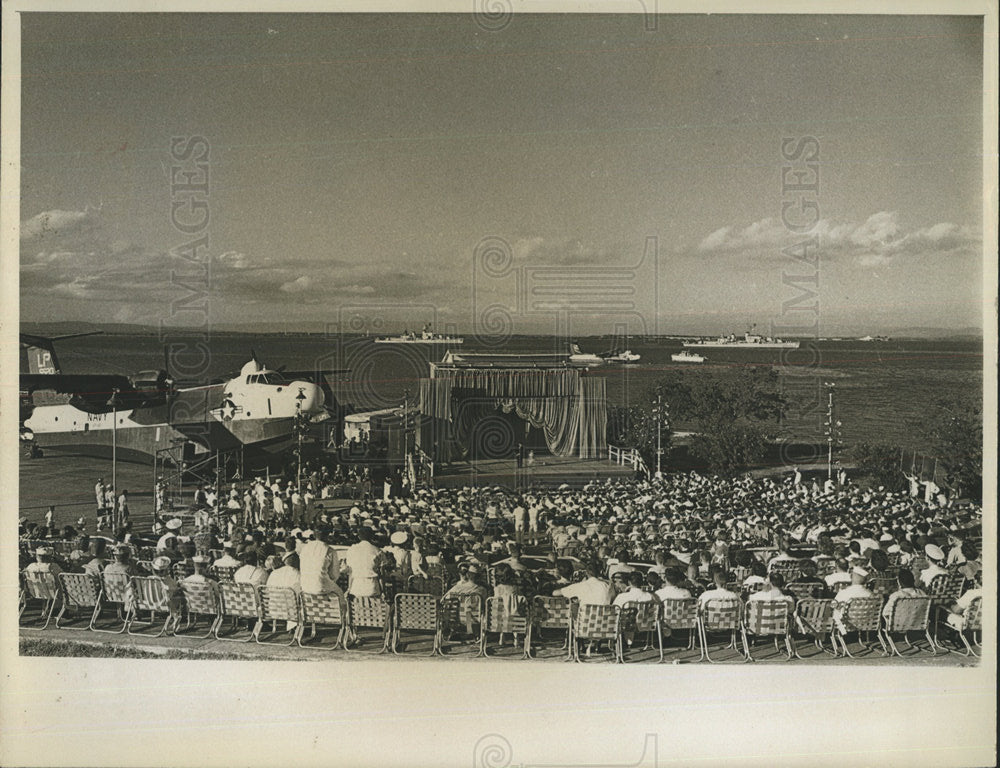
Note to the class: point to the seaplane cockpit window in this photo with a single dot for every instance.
(273, 378)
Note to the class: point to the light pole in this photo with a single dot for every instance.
(832, 430)
(113, 402)
(406, 432)
(299, 429)
(661, 413)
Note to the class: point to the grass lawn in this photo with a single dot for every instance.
(41, 647)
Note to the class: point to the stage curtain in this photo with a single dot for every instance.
(575, 425)
(570, 409)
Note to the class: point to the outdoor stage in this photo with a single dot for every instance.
(546, 471)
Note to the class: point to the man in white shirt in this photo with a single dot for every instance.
(840, 577)
(533, 512)
(319, 565)
(102, 521)
(671, 590)
(288, 574)
(227, 560)
(397, 548)
(360, 562)
(250, 572)
(774, 589)
(123, 510)
(719, 592)
(957, 610)
(634, 593)
(590, 591)
(201, 563)
(298, 508)
(520, 518)
(279, 505)
(907, 588)
(856, 590)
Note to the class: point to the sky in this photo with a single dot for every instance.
(566, 173)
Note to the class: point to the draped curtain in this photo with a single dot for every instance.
(569, 408)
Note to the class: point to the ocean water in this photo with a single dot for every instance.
(883, 390)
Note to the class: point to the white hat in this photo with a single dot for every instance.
(161, 563)
(934, 552)
(860, 571)
(399, 537)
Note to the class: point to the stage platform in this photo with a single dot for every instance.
(545, 472)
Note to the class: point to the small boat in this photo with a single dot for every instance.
(627, 356)
(687, 357)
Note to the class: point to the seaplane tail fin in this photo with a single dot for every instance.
(43, 360)
(41, 353)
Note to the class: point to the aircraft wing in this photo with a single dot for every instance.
(91, 385)
(312, 373)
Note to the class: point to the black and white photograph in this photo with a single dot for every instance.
(499, 384)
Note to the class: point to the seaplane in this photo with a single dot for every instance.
(148, 413)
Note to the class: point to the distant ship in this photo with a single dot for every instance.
(687, 357)
(874, 338)
(750, 340)
(626, 356)
(426, 336)
(586, 359)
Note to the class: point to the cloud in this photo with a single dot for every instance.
(564, 251)
(298, 285)
(233, 260)
(878, 241)
(77, 289)
(58, 225)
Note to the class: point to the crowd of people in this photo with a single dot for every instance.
(685, 535)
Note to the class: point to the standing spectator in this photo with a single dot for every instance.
(110, 507)
(102, 520)
(123, 510)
